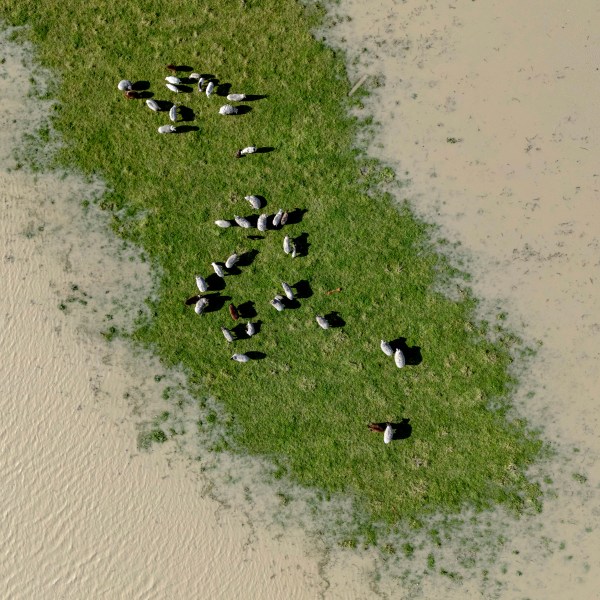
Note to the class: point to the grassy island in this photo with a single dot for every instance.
(308, 395)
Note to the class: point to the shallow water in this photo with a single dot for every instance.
(84, 512)
(486, 116)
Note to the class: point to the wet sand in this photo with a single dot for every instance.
(86, 513)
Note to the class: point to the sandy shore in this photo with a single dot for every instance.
(88, 515)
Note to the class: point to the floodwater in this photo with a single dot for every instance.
(487, 116)
(486, 112)
(85, 514)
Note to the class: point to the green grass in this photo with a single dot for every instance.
(307, 404)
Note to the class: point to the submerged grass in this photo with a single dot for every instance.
(306, 404)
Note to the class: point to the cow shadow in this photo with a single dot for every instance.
(246, 310)
(184, 89)
(164, 105)
(254, 97)
(223, 89)
(192, 300)
(290, 304)
(215, 283)
(264, 150)
(235, 270)
(303, 289)
(240, 330)
(402, 429)
(247, 258)
(215, 301)
(255, 355)
(187, 128)
(301, 243)
(145, 95)
(334, 319)
(186, 113)
(412, 354)
(295, 216)
(140, 86)
(243, 110)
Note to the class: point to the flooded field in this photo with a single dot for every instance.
(486, 118)
(484, 112)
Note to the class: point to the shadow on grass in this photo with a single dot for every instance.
(264, 150)
(223, 89)
(231, 272)
(402, 429)
(193, 81)
(247, 258)
(240, 329)
(335, 320)
(302, 244)
(184, 89)
(164, 105)
(303, 289)
(254, 97)
(215, 283)
(255, 355)
(295, 216)
(291, 304)
(140, 86)
(215, 302)
(145, 95)
(186, 113)
(184, 68)
(412, 354)
(187, 128)
(246, 310)
(243, 110)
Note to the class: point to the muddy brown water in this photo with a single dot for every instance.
(488, 121)
(85, 514)
(486, 114)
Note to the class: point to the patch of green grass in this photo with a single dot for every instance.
(149, 437)
(307, 404)
(110, 333)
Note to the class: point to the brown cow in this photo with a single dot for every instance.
(377, 427)
(233, 312)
